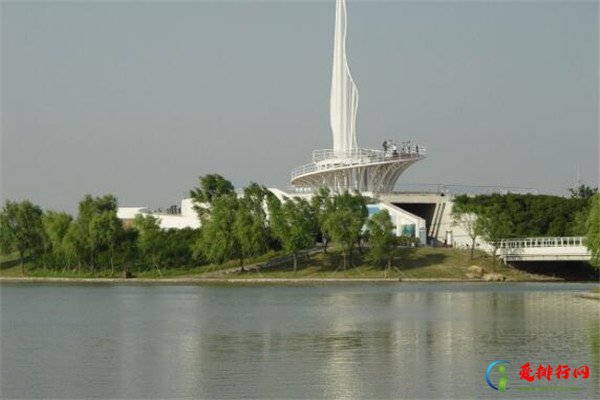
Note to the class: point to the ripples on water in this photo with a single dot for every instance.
(343, 341)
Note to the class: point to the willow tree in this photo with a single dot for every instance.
(380, 232)
(293, 224)
(216, 203)
(217, 241)
(211, 188)
(465, 216)
(322, 204)
(494, 226)
(106, 229)
(97, 228)
(593, 231)
(345, 221)
(149, 240)
(56, 225)
(249, 231)
(20, 229)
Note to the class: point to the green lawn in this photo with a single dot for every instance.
(413, 263)
(10, 267)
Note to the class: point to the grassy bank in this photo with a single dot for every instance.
(408, 263)
(10, 268)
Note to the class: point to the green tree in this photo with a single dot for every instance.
(20, 229)
(530, 215)
(578, 226)
(217, 242)
(494, 225)
(293, 224)
(583, 192)
(56, 225)
(584, 195)
(249, 232)
(380, 232)
(75, 245)
(593, 231)
(255, 199)
(126, 250)
(96, 227)
(176, 247)
(250, 225)
(465, 216)
(345, 221)
(275, 212)
(105, 231)
(343, 227)
(322, 205)
(149, 240)
(212, 187)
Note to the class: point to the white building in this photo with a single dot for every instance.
(185, 218)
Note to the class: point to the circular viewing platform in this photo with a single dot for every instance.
(364, 170)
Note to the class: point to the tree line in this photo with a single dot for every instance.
(241, 227)
(233, 227)
(94, 241)
(247, 226)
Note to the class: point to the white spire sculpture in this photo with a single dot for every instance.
(344, 95)
(346, 166)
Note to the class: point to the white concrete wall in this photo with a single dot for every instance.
(282, 195)
(401, 218)
(129, 212)
(187, 219)
(187, 208)
(460, 235)
(173, 221)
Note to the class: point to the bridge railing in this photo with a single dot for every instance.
(564, 241)
(470, 190)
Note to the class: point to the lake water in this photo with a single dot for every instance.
(404, 340)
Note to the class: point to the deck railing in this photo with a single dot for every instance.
(327, 159)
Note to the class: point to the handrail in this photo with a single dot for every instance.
(328, 159)
(327, 154)
(470, 190)
(564, 241)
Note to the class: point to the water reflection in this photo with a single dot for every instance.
(397, 341)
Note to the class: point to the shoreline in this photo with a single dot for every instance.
(204, 281)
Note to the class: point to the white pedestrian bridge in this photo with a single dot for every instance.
(569, 248)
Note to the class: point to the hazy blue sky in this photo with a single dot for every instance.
(138, 99)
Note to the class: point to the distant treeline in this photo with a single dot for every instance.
(96, 240)
(535, 215)
(494, 217)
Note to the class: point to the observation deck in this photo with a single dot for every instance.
(364, 170)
